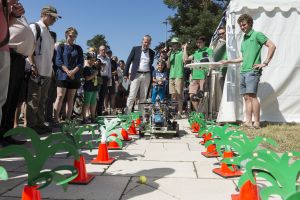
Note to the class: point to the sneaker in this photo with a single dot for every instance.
(247, 125)
(256, 126)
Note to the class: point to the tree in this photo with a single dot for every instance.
(194, 18)
(97, 41)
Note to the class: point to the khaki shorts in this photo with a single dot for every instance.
(194, 86)
(176, 86)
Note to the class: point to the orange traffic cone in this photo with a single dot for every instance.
(132, 129)
(125, 136)
(113, 146)
(138, 121)
(83, 178)
(225, 171)
(103, 156)
(31, 193)
(211, 151)
(248, 191)
(206, 137)
(195, 127)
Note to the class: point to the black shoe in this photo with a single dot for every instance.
(40, 130)
(46, 128)
(9, 141)
(54, 125)
(84, 121)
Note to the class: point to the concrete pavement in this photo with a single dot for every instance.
(175, 169)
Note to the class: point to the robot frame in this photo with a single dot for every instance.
(159, 119)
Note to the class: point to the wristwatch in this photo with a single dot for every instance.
(265, 63)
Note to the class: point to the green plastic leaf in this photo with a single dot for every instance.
(268, 177)
(63, 180)
(3, 174)
(295, 196)
(115, 139)
(43, 179)
(244, 178)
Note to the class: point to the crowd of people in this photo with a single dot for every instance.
(40, 77)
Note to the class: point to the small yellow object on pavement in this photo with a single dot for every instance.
(143, 179)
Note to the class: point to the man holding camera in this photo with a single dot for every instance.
(106, 78)
(202, 54)
(41, 66)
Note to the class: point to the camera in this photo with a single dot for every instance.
(98, 64)
(36, 79)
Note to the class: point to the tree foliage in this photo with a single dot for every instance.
(194, 18)
(97, 41)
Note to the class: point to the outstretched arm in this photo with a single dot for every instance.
(237, 60)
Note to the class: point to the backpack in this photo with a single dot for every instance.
(6, 14)
(38, 36)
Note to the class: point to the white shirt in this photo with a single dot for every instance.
(107, 67)
(144, 62)
(21, 38)
(44, 49)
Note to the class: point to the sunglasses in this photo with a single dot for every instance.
(73, 36)
(221, 33)
(52, 17)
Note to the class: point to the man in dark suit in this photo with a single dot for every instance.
(139, 70)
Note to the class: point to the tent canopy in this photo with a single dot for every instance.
(267, 5)
(279, 88)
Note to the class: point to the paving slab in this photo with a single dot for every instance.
(15, 179)
(187, 156)
(175, 147)
(197, 147)
(204, 169)
(127, 154)
(9, 198)
(152, 169)
(179, 188)
(12, 163)
(55, 162)
(102, 187)
(138, 144)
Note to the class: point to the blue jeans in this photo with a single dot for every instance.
(158, 90)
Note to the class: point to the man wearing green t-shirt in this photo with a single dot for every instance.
(176, 77)
(251, 67)
(202, 54)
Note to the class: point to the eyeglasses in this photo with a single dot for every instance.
(221, 33)
(52, 17)
(72, 36)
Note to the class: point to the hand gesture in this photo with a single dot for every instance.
(259, 66)
(17, 10)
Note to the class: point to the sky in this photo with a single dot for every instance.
(122, 22)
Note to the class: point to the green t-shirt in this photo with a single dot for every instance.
(197, 56)
(176, 63)
(251, 50)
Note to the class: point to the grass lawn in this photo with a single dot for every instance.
(287, 136)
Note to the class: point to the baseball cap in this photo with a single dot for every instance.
(51, 11)
(175, 40)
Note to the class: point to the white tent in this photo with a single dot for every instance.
(279, 88)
